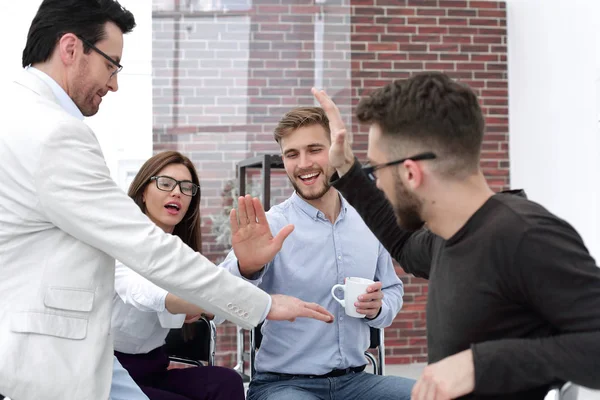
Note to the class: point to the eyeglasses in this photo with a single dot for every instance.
(369, 170)
(118, 66)
(167, 184)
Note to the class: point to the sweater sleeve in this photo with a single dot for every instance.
(555, 276)
(412, 250)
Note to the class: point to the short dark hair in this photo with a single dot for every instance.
(432, 112)
(85, 18)
(298, 118)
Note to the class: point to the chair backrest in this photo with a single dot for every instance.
(198, 346)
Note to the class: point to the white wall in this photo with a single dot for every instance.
(554, 108)
(124, 123)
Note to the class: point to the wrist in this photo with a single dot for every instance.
(376, 315)
(248, 273)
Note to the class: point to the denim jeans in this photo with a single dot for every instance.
(353, 386)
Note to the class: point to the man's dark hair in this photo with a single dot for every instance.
(430, 112)
(85, 18)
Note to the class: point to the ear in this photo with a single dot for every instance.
(68, 47)
(413, 174)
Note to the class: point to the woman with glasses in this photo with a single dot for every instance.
(167, 190)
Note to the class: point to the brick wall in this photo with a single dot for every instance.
(222, 79)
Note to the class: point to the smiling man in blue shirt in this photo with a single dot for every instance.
(305, 359)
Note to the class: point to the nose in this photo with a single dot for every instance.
(176, 191)
(305, 161)
(113, 84)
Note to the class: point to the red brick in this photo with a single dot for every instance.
(454, 21)
(382, 47)
(424, 56)
(421, 21)
(457, 39)
(462, 13)
(401, 29)
(393, 56)
(485, 4)
(426, 30)
(396, 38)
(453, 3)
(438, 12)
(401, 11)
(500, 14)
(425, 39)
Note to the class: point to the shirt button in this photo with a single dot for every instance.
(339, 257)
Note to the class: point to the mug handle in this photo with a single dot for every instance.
(343, 287)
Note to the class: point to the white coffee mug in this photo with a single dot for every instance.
(353, 288)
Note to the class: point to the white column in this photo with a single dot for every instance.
(554, 76)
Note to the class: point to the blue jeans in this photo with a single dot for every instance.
(123, 387)
(353, 386)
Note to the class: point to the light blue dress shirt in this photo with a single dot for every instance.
(316, 256)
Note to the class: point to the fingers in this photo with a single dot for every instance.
(316, 311)
(208, 316)
(370, 297)
(324, 100)
(261, 216)
(242, 213)
(374, 287)
(249, 202)
(416, 390)
(282, 235)
(333, 114)
(233, 221)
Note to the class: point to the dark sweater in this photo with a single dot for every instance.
(515, 284)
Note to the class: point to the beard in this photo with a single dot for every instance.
(83, 95)
(314, 192)
(407, 207)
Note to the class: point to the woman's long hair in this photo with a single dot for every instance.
(189, 229)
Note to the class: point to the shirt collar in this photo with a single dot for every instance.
(314, 212)
(63, 98)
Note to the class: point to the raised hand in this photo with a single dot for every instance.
(340, 154)
(287, 308)
(251, 238)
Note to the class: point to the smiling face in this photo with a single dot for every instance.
(306, 160)
(167, 208)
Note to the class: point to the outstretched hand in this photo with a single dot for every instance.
(287, 308)
(251, 238)
(340, 153)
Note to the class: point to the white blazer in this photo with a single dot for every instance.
(63, 221)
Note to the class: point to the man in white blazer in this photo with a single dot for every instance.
(63, 221)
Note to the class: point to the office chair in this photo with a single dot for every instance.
(199, 349)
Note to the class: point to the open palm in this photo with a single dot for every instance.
(251, 237)
(340, 152)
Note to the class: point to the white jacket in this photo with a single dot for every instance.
(63, 221)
